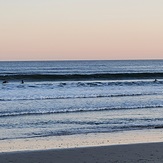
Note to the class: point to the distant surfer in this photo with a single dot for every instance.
(5, 81)
(155, 80)
(22, 82)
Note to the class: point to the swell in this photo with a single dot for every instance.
(78, 97)
(26, 113)
(101, 76)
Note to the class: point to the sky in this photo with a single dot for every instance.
(81, 29)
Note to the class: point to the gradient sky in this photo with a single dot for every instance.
(81, 29)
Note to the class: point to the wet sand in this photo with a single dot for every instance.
(130, 147)
(142, 153)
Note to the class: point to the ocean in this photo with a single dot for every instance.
(79, 97)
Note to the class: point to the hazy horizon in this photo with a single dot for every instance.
(64, 60)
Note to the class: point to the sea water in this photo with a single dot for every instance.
(79, 97)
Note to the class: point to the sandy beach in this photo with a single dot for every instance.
(142, 153)
(130, 147)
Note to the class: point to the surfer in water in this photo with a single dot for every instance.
(22, 82)
(5, 81)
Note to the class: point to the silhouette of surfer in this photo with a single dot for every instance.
(22, 82)
(5, 81)
(155, 80)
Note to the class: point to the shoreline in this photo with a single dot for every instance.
(144, 152)
(129, 146)
(82, 141)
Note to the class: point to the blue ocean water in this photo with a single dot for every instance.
(79, 97)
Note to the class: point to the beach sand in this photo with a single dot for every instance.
(133, 153)
(130, 147)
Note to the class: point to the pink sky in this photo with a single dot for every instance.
(86, 29)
